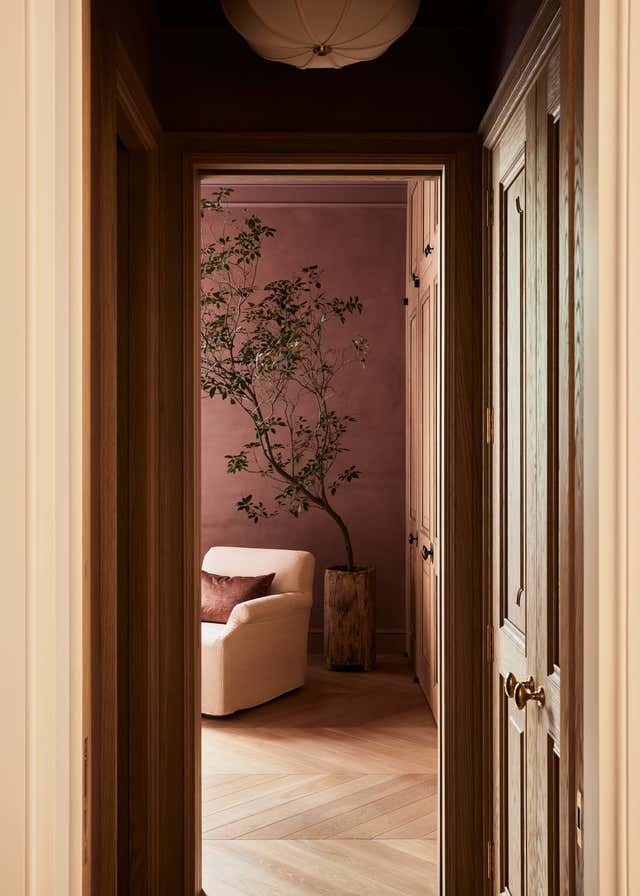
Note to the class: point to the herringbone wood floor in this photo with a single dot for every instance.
(330, 790)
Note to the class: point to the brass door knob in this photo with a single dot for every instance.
(525, 691)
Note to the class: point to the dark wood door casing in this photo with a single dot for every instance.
(121, 648)
(341, 155)
(154, 483)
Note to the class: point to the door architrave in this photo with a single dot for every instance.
(350, 156)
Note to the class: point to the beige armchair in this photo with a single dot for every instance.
(261, 652)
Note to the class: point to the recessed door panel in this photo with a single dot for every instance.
(416, 228)
(512, 213)
(426, 372)
(513, 799)
(412, 434)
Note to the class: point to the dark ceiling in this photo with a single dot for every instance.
(439, 76)
(209, 13)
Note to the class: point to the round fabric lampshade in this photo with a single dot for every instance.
(320, 33)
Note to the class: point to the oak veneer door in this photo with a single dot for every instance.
(422, 406)
(428, 314)
(526, 680)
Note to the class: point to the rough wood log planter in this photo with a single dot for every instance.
(350, 618)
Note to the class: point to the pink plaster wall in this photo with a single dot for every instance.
(361, 248)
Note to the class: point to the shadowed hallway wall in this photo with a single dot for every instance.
(356, 234)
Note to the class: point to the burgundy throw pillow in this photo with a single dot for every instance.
(220, 594)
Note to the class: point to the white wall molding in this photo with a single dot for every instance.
(612, 447)
(41, 358)
(325, 194)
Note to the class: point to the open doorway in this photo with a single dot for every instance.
(335, 780)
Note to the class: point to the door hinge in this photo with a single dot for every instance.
(579, 819)
(489, 426)
(489, 643)
(405, 301)
(489, 207)
(85, 799)
(490, 860)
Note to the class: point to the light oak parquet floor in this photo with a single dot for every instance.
(330, 791)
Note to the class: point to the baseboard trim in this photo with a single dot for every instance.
(388, 642)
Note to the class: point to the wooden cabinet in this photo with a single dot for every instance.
(423, 431)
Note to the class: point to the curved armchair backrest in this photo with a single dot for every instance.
(293, 569)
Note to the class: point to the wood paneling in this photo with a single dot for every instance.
(516, 469)
(543, 79)
(122, 735)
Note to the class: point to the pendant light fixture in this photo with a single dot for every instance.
(320, 33)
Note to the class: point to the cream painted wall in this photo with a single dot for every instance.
(612, 448)
(40, 448)
(41, 458)
(13, 677)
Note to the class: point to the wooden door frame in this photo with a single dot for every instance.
(120, 111)
(191, 156)
(556, 23)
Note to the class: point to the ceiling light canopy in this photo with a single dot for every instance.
(320, 33)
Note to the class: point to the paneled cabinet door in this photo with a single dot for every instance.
(526, 675)
(412, 392)
(428, 534)
(422, 409)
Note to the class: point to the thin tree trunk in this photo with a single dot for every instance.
(318, 501)
(345, 534)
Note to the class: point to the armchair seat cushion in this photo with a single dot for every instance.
(211, 631)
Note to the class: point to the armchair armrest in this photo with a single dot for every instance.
(273, 606)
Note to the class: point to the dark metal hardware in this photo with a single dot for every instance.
(412, 538)
(427, 552)
(405, 301)
(416, 279)
(428, 249)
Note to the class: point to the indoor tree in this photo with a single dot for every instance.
(271, 350)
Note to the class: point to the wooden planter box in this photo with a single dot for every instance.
(350, 618)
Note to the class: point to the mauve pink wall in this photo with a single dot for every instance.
(362, 251)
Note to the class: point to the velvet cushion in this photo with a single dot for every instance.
(220, 594)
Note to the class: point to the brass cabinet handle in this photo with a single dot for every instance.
(427, 552)
(525, 691)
